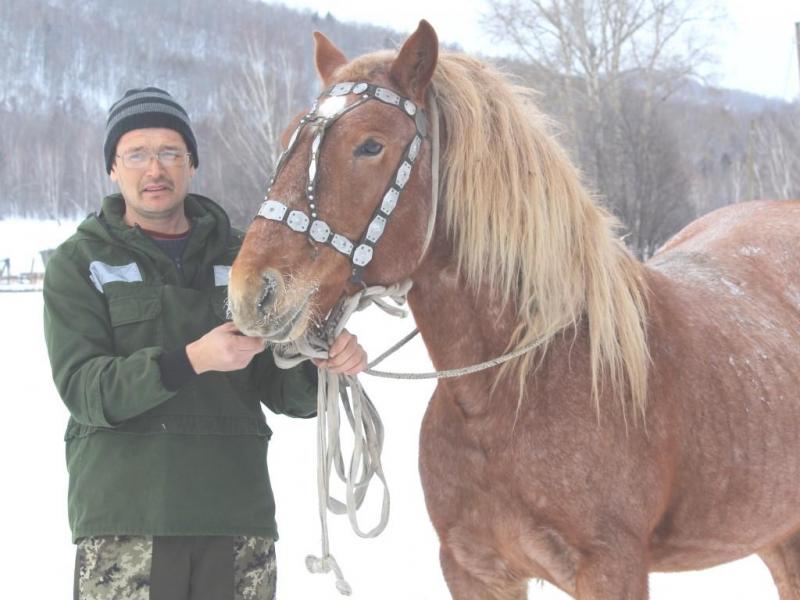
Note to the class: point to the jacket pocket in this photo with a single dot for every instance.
(134, 310)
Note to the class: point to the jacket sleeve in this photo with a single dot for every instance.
(99, 388)
(290, 392)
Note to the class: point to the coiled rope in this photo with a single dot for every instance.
(365, 461)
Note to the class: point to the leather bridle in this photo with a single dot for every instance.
(330, 106)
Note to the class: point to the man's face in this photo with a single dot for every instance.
(152, 192)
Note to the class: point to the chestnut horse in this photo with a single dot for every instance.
(656, 427)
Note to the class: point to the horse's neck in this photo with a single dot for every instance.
(460, 326)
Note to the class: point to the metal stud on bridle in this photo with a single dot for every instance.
(329, 106)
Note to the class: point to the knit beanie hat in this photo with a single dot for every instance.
(146, 107)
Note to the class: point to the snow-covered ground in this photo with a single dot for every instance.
(402, 563)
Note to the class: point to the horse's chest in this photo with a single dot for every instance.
(453, 465)
(474, 503)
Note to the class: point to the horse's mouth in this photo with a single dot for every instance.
(280, 328)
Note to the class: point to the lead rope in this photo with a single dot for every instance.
(365, 461)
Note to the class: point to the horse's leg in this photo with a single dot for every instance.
(613, 570)
(464, 585)
(783, 562)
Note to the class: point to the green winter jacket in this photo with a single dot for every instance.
(143, 459)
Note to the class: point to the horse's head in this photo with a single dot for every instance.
(351, 195)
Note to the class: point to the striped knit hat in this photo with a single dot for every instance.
(146, 107)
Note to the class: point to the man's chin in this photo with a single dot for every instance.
(157, 208)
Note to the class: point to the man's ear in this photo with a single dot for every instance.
(413, 68)
(113, 174)
(327, 57)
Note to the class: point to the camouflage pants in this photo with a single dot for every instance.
(167, 568)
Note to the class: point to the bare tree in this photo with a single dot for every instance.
(657, 196)
(592, 46)
(776, 141)
(48, 168)
(601, 55)
(91, 181)
(259, 99)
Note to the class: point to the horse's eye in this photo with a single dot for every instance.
(369, 148)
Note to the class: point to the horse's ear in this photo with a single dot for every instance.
(413, 68)
(327, 56)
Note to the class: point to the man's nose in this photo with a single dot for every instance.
(154, 166)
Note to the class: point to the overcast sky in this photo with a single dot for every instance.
(755, 45)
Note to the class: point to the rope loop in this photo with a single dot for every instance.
(326, 564)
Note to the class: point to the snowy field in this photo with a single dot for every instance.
(37, 555)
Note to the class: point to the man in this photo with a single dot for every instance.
(169, 495)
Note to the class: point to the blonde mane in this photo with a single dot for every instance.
(522, 222)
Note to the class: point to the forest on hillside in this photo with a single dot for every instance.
(654, 144)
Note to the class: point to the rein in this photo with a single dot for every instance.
(447, 373)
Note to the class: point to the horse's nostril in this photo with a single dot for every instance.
(268, 293)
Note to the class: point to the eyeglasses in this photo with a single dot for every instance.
(140, 159)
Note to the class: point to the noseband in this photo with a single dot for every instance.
(329, 106)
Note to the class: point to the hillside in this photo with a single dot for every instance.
(242, 70)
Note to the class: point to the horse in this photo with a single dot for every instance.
(654, 426)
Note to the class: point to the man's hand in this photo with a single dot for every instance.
(346, 356)
(223, 349)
